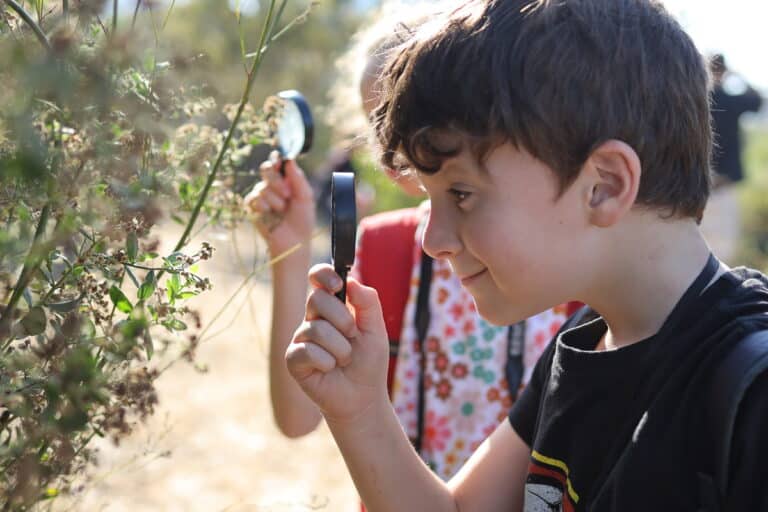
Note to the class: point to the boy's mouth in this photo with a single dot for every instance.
(472, 277)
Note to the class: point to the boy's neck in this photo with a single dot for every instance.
(646, 268)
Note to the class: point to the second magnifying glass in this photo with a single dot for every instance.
(295, 126)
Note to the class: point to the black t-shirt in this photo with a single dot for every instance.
(625, 429)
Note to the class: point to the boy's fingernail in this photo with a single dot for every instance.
(336, 283)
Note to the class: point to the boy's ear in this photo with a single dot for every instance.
(613, 172)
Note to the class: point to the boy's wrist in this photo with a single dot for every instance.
(365, 422)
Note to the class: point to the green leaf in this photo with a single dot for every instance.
(174, 286)
(148, 256)
(148, 345)
(184, 191)
(89, 329)
(174, 324)
(147, 288)
(132, 246)
(27, 297)
(34, 322)
(132, 328)
(119, 299)
(187, 295)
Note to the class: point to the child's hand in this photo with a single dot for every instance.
(284, 207)
(338, 356)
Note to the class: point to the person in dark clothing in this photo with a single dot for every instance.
(727, 108)
(722, 219)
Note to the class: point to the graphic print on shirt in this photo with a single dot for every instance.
(548, 487)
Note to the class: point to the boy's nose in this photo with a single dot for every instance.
(439, 239)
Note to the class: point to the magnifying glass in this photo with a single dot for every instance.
(343, 226)
(291, 130)
(294, 126)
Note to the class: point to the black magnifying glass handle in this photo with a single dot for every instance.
(343, 226)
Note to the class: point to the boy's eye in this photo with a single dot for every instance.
(459, 195)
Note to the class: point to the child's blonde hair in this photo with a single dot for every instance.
(386, 29)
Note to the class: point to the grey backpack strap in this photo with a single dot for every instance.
(733, 376)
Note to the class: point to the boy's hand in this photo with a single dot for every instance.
(284, 206)
(338, 356)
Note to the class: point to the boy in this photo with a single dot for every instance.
(542, 129)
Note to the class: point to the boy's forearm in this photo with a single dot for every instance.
(294, 413)
(387, 472)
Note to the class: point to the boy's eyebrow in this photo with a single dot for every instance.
(462, 167)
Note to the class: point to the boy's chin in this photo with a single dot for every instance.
(495, 313)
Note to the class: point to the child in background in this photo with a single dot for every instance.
(449, 369)
(552, 136)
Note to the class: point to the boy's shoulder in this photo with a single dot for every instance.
(744, 292)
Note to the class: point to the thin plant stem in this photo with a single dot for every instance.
(269, 24)
(168, 14)
(135, 14)
(114, 17)
(24, 15)
(154, 27)
(247, 278)
(31, 263)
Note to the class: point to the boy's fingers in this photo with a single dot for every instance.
(304, 358)
(365, 302)
(323, 276)
(327, 337)
(322, 305)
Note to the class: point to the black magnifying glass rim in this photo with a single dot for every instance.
(306, 115)
(343, 220)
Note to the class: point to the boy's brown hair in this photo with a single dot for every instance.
(557, 78)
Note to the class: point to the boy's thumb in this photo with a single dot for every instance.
(297, 180)
(365, 302)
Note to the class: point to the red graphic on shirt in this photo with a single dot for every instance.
(547, 487)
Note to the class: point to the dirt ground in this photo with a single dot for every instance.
(212, 444)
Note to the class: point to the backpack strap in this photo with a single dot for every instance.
(421, 321)
(733, 376)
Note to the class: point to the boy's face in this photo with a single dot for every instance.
(509, 237)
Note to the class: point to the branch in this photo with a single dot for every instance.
(32, 24)
(135, 13)
(266, 34)
(31, 263)
(114, 17)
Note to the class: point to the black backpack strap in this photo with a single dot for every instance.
(515, 367)
(733, 376)
(421, 321)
